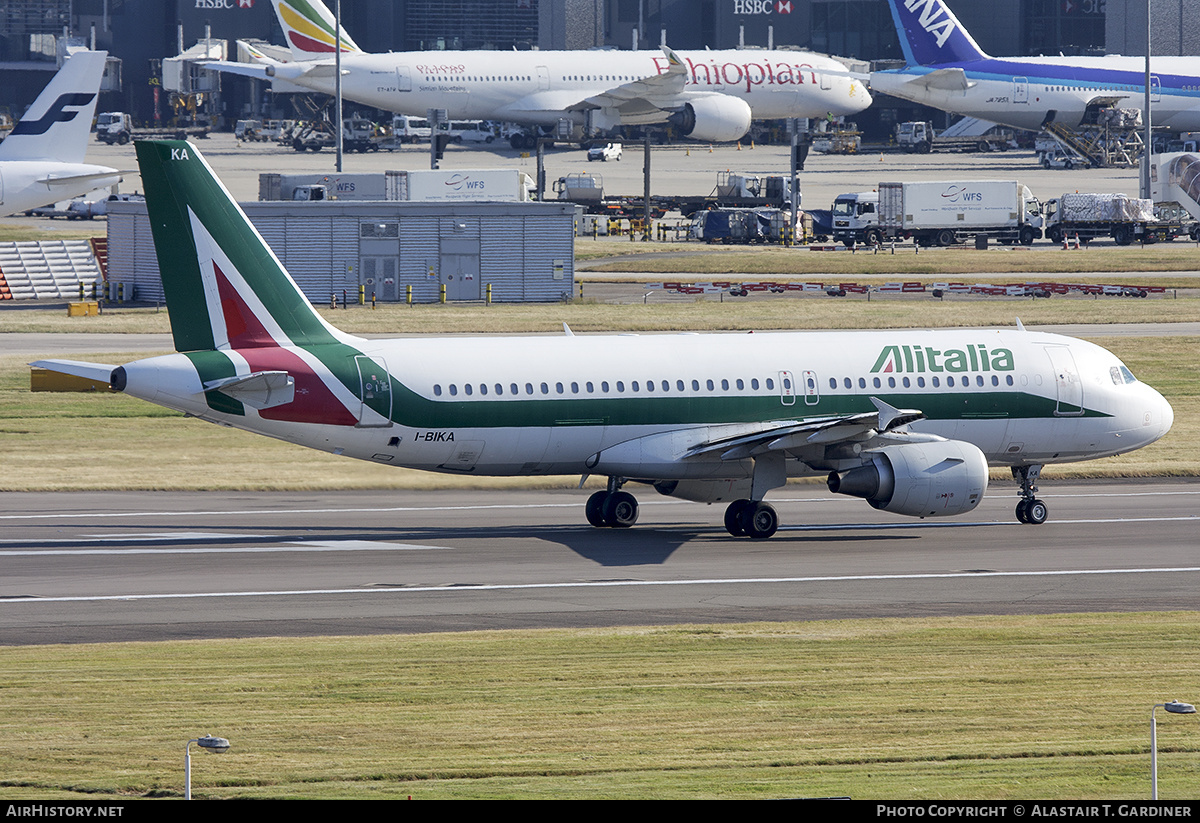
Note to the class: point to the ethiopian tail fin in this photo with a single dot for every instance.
(931, 35)
(310, 30)
(225, 288)
(57, 125)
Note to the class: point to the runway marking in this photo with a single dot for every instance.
(597, 584)
(289, 547)
(497, 506)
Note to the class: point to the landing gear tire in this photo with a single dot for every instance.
(620, 510)
(1035, 512)
(595, 509)
(733, 518)
(759, 520)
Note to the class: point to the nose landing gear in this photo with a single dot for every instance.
(1030, 509)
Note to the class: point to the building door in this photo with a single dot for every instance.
(460, 275)
(378, 277)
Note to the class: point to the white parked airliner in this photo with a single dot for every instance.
(41, 160)
(947, 70)
(708, 95)
(908, 420)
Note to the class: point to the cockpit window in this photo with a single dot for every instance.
(1121, 375)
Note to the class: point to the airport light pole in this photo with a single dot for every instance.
(1174, 707)
(1145, 187)
(337, 80)
(216, 745)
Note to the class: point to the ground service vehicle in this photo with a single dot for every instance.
(919, 137)
(117, 127)
(1123, 218)
(943, 213)
(854, 219)
(605, 151)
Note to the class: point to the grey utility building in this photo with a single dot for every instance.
(524, 251)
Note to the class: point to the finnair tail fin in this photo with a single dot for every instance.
(310, 29)
(225, 288)
(931, 35)
(57, 125)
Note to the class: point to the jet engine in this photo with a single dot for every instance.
(713, 117)
(918, 479)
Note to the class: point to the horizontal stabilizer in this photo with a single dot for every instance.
(72, 179)
(99, 372)
(261, 390)
(943, 80)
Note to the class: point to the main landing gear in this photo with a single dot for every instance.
(751, 518)
(612, 507)
(615, 509)
(1029, 508)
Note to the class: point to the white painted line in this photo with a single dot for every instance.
(603, 584)
(292, 548)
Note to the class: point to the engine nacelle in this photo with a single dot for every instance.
(706, 491)
(918, 479)
(713, 117)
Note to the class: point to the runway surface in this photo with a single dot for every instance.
(109, 566)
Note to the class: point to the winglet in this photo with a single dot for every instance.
(891, 417)
(674, 63)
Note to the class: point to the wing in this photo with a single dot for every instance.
(652, 92)
(792, 436)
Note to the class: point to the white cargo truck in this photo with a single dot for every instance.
(479, 185)
(956, 211)
(854, 219)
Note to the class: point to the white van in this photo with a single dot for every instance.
(470, 131)
(408, 129)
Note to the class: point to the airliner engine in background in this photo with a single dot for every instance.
(947, 70)
(708, 95)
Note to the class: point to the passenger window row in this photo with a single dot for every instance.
(920, 382)
(605, 387)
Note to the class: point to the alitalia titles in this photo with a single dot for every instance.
(974, 357)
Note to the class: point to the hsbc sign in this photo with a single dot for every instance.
(762, 6)
(224, 4)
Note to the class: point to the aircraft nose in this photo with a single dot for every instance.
(1165, 415)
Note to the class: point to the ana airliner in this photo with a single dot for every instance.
(708, 95)
(908, 420)
(947, 70)
(41, 160)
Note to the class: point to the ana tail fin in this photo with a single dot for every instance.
(56, 126)
(931, 35)
(225, 288)
(310, 29)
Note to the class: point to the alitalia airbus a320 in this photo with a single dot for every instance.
(908, 420)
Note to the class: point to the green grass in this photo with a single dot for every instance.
(707, 314)
(1050, 707)
(954, 263)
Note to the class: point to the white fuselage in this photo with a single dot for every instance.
(633, 405)
(24, 186)
(542, 87)
(1023, 91)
